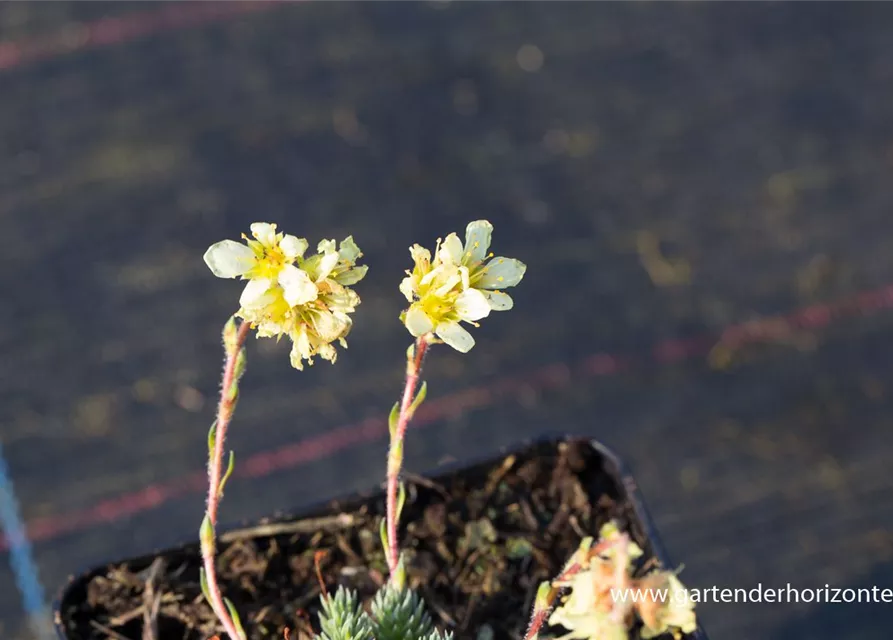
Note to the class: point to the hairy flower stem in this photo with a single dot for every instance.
(395, 455)
(215, 464)
(541, 610)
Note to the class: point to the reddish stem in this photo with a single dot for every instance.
(215, 464)
(413, 369)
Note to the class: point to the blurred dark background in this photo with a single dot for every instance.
(667, 171)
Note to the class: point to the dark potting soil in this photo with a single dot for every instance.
(478, 543)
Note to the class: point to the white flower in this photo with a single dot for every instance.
(266, 261)
(457, 286)
(582, 616)
(306, 299)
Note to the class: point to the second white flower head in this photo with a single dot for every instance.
(461, 284)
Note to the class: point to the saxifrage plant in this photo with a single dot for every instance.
(309, 299)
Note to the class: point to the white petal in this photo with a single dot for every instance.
(407, 287)
(344, 301)
(327, 326)
(499, 301)
(417, 322)
(477, 241)
(253, 294)
(349, 251)
(451, 250)
(296, 286)
(326, 246)
(228, 259)
(419, 254)
(455, 336)
(345, 321)
(293, 247)
(472, 305)
(429, 277)
(265, 233)
(326, 264)
(447, 279)
(300, 348)
(500, 273)
(268, 329)
(351, 276)
(327, 352)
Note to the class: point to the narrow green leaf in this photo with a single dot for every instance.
(395, 458)
(419, 399)
(203, 579)
(401, 500)
(235, 616)
(542, 596)
(229, 472)
(230, 335)
(241, 363)
(392, 420)
(233, 392)
(206, 532)
(384, 537)
(212, 438)
(399, 577)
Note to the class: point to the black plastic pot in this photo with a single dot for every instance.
(625, 488)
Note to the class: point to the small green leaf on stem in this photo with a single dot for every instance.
(229, 472)
(410, 354)
(235, 616)
(384, 537)
(401, 500)
(392, 420)
(399, 577)
(206, 533)
(203, 580)
(212, 438)
(233, 394)
(542, 596)
(419, 399)
(241, 363)
(230, 335)
(395, 458)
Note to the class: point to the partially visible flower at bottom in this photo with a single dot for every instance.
(604, 596)
(587, 623)
(587, 611)
(676, 611)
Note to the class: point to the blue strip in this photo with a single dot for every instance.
(21, 557)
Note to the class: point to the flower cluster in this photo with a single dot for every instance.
(604, 595)
(307, 299)
(461, 283)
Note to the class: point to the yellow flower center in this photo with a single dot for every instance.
(270, 260)
(439, 308)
